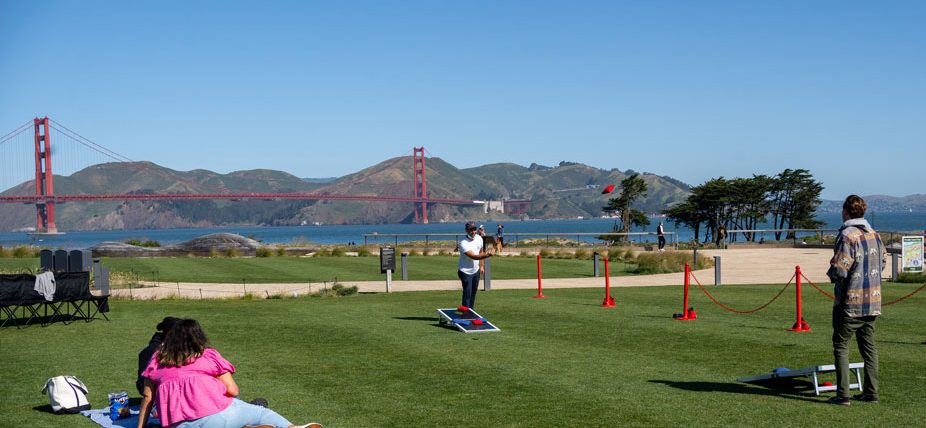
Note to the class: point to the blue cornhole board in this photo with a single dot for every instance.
(463, 321)
(811, 372)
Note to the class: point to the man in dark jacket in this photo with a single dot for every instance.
(145, 355)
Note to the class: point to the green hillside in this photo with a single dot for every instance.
(567, 190)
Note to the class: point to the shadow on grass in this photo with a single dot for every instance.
(785, 388)
(45, 408)
(433, 319)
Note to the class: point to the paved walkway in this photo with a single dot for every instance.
(738, 266)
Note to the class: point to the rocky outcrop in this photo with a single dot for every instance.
(222, 243)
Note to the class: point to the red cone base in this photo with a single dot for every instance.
(608, 302)
(800, 326)
(540, 296)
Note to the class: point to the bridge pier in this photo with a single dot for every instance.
(44, 180)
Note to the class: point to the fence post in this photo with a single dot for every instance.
(405, 266)
(608, 300)
(487, 277)
(895, 258)
(799, 323)
(595, 266)
(694, 258)
(539, 280)
(684, 315)
(716, 270)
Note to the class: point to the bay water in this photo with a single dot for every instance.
(344, 234)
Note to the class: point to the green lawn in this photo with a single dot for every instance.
(298, 269)
(379, 360)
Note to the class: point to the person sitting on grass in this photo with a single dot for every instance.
(194, 387)
(145, 355)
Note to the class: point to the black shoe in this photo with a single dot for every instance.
(262, 402)
(865, 397)
(839, 400)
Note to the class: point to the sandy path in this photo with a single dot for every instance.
(738, 266)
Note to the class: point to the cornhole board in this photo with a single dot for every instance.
(463, 321)
(813, 373)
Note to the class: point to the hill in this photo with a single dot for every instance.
(567, 190)
(882, 203)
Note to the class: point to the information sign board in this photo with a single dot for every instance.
(912, 254)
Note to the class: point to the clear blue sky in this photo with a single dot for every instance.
(693, 90)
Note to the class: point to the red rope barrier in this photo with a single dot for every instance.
(908, 295)
(832, 297)
(750, 311)
(922, 287)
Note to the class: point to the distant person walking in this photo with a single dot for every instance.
(661, 234)
(471, 266)
(500, 238)
(721, 235)
(855, 269)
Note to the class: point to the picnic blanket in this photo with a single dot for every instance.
(101, 417)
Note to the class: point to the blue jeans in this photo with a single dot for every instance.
(237, 415)
(470, 285)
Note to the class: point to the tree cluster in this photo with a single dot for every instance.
(787, 201)
(632, 188)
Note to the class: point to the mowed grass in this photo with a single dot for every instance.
(300, 269)
(380, 360)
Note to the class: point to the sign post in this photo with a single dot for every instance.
(387, 264)
(912, 250)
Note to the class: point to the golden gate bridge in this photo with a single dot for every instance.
(45, 197)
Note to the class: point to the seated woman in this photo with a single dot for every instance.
(194, 387)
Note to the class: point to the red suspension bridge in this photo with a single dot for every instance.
(17, 144)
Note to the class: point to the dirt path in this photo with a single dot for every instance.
(738, 266)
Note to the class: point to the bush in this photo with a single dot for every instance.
(336, 290)
(139, 243)
(263, 252)
(213, 253)
(582, 254)
(413, 252)
(337, 252)
(563, 254)
(911, 277)
(281, 252)
(231, 252)
(24, 252)
(364, 252)
(545, 253)
(668, 262)
(443, 253)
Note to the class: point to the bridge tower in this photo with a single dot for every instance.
(44, 181)
(421, 186)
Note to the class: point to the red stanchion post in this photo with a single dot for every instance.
(684, 315)
(608, 300)
(539, 280)
(799, 323)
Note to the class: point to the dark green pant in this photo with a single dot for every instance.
(864, 329)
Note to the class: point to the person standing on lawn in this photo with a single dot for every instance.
(470, 266)
(855, 269)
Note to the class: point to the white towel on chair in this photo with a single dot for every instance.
(45, 285)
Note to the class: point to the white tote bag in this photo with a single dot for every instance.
(67, 394)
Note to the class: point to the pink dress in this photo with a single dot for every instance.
(191, 391)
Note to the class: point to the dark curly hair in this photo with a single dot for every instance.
(182, 344)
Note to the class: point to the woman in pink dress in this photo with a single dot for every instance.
(194, 388)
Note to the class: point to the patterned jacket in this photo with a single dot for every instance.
(858, 259)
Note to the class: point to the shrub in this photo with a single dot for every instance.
(545, 253)
(413, 252)
(364, 252)
(563, 254)
(231, 252)
(263, 252)
(911, 277)
(281, 252)
(582, 254)
(336, 252)
(213, 253)
(24, 252)
(443, 253)
(668, 262)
